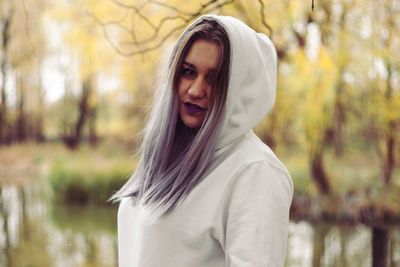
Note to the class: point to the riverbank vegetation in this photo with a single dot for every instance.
(85, 176)
(357, 194)
(88, 176)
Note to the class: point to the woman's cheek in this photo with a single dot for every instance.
(183, 84)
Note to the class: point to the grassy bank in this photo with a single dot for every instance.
(357, 191)
(89, 176)
(86, 181)
(84, 176)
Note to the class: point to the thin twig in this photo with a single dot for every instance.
(263, 21)
(218, 6)
(137, 10)
(149, 43)
(177, 10)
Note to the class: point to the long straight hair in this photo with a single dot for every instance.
(173, 157)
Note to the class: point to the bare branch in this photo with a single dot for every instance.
(159, 43)
(177, 10)
(137, 11)
(218, 6)
(137, 51)
(159, 26)
(263, 21)
(157, 35)
(105, 33)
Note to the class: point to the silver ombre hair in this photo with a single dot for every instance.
(173, 157)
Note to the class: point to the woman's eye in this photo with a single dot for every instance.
(188, 73)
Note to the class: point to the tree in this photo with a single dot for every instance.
(84, 46)
(6, 19)
(26, 52)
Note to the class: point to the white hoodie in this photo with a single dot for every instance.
(238, 215)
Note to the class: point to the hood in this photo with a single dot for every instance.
(252, 82)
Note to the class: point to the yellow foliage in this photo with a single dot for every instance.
(392, 109)
(314, 82)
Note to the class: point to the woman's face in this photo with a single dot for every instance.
(196, 79)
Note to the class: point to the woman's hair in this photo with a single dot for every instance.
(173, 157)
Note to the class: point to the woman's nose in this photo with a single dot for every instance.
(198, 88)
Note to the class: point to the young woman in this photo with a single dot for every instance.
(207, 192)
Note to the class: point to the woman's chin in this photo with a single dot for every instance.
(192, 125)
(191, 121)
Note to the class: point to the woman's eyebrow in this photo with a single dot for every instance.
(189, 64)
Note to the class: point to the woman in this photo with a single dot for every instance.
(207, 192)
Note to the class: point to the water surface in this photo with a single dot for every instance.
(36, 233)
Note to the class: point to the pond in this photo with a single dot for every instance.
(34, 233)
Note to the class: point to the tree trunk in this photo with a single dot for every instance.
(380, 247)
(338, 130)
(390, 141)
(320, 232)
(38, 132)
(4, 215)
(39, 135)
(390, 157)
(338, 121)
(20, 129)
(73, 139)
(3, 103)
(92, 127)
(318, 172)
(392, 250)
(83, 109)
(5, 36)
(339, 109)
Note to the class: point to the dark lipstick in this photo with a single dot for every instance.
(193, 108)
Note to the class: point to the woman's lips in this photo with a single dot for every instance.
(193, 108)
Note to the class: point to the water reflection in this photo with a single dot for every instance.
(336, 246)
(35, 233)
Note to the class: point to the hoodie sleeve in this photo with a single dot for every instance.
(258, 217)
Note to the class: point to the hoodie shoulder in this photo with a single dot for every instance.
(251, 149)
